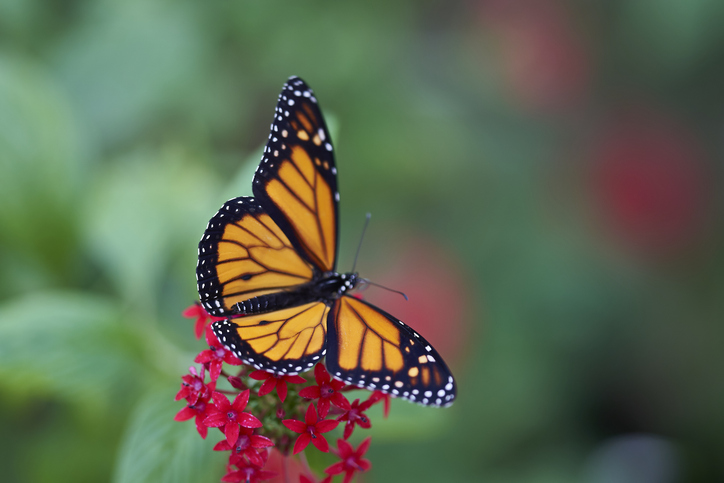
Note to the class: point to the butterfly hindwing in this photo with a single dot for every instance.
(245, 260)
(368, 347)
(287, 341)
(296, 181)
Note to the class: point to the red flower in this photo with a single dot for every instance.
(247, 472)
(216, 355)
(311, 430)
(272, 381)
(202, 318)
(326, 390)
(352, 460)
(356, 415)
(200, 410)
(230, 415)
(246, 444)
(193, 387)
(380, 396)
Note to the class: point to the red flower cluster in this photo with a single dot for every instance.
(257, 421)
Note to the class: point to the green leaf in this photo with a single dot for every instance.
(42, 166)
(148, 210)
(67, 345)
(156, 448)
(128, 62)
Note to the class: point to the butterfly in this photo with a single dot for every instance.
(268, 265)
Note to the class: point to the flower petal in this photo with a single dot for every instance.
(254, 457)
(364, 445)
(222, 445)
(302, 442)
(214, 420)
(203, 430)
(323, 406)
(185, 414)
(321, 443)
(340, 401)
(320, 374)
(295, 379)
(241, 401)
(260, 375)
(220, 401)
(326, 426)
(267, 387)
(348, 475)
(337, 384)
(214, 369)
(260, 441)
(311, 417)
(345, 449)
(348, 428)
(248, 421)
(232, 433)
(294, 425)
(311, 392)
(282, 389)
(335, 469)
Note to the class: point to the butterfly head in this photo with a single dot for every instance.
(348, 282)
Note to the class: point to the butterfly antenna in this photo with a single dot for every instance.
(367, 282)
(364, 229)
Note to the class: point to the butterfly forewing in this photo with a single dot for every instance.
(286, 341)
(296, 181)
(370, 348)
(243, 256)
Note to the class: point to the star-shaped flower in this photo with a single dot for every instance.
(272, 380)
(246, 444)
(231, 415)
(215, 355)
(200, 410)
(248, 472)
(193, 387)
(311, 430)
(326, 390)
(356, 415)
(352, 461)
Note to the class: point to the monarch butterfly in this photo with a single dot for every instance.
(272, 259)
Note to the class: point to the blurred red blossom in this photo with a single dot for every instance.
(437, 288)
(352, 460)
(544, 59)
(651, 182)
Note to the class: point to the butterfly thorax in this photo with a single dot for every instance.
(326, 288)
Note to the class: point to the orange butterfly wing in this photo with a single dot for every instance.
(296, 181)
(370, 348)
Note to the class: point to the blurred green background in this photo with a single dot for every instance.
(545, 183)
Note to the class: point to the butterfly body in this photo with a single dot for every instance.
(268, 265)
(325, 288)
